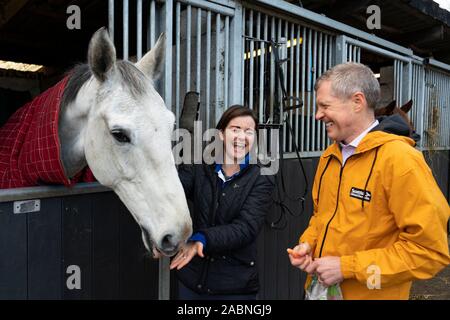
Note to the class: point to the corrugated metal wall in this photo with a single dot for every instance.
(436, 111)
(308, 52)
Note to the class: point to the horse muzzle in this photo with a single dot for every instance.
(169, 244)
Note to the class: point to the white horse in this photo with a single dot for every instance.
(113, 120)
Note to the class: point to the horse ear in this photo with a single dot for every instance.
(152, 63)
(101, 55)
(407, 106)
(390, 107)
(387, 110)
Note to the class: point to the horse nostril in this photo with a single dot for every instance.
(167, 242)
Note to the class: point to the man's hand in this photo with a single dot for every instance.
(186, 253)
(328, 270)
(300, 256)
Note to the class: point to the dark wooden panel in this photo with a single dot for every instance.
(439, 162)
(13, 253)
(77, 243)
(105, 269)
(298, 221)
(268, 279)
(308, 212)
(173, 286)
(297, 224)
(279, 280)
(138, 272)
(281, 257)
(44, 251)
(94, 232)
(261, 252)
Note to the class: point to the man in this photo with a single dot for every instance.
(379, 217)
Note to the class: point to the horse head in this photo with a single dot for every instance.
(127, 141)
(392, 108)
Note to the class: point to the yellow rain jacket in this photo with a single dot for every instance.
(382, 213)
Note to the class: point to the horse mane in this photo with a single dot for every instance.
(77, 77)
(135, 81)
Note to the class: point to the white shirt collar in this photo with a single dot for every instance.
(358, 139)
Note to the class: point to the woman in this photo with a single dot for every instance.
(230, 201)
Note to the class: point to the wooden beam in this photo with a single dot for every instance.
(23, 48)
(443, 55)
(9, 9)
(21, 40)
(343, 8)
(424, 37)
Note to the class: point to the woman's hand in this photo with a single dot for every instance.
(186, 253)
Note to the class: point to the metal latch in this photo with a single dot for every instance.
(27, 206)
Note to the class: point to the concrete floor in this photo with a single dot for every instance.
(437, 288)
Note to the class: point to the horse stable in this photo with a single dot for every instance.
(81, 242)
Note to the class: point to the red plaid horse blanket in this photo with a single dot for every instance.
(29, 144)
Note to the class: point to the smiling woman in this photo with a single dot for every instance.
(237, 129)
(230, 200)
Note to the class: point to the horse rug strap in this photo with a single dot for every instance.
(29, 143)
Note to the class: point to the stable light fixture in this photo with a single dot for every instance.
(18, 66)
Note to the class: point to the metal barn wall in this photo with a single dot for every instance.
(309, 52)
(92, 231)
(436, 110)
(221, 49)
(201, 54)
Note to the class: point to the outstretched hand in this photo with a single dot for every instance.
(300, 255)
(186, 253)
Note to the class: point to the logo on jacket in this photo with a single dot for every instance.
(359, 194)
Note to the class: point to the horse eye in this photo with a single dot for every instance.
(120, 136)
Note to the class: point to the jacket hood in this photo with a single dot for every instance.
(377, 138)
(394, 124)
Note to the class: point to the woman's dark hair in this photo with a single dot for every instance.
(234, 112)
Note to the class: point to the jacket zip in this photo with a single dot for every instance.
(337, 199)
(337, 205)
(215, 205)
